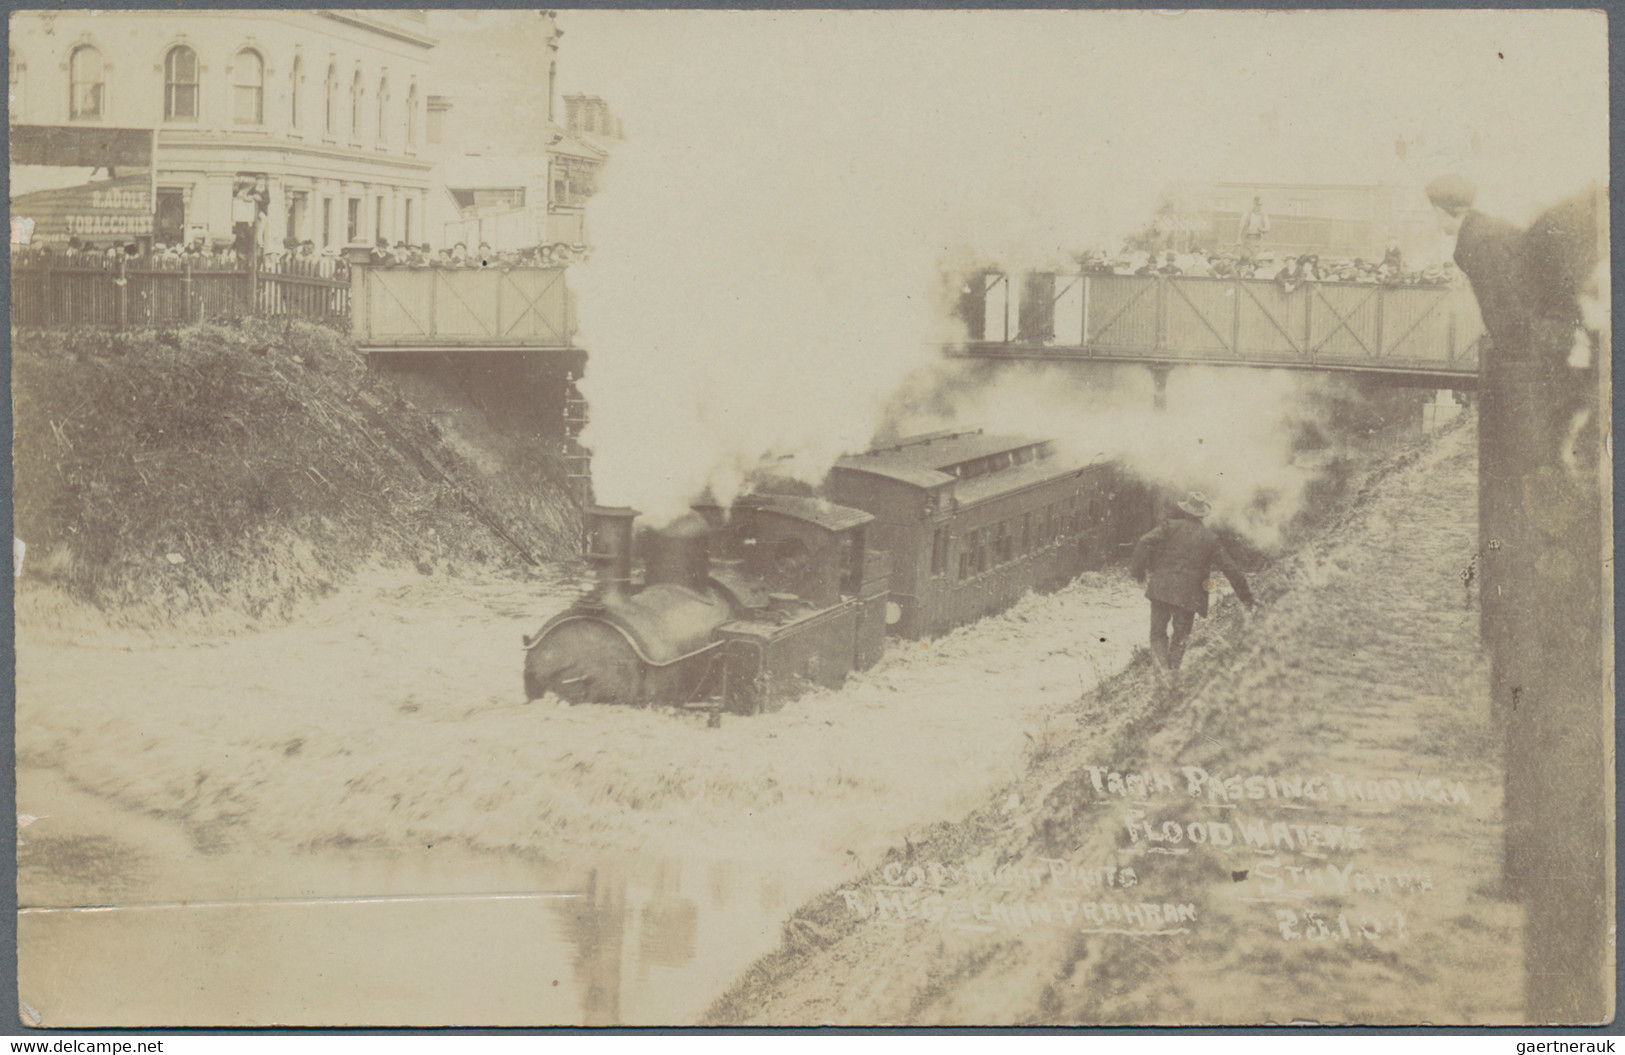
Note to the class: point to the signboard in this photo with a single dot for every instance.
(107, 211)
(71, 146)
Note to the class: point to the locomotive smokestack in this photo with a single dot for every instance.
(679, 553)
(609, 548)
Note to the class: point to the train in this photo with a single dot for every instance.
(742, 608)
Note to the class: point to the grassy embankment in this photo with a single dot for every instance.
(1367, 665)
(219, 475)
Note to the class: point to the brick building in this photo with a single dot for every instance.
(312, 121)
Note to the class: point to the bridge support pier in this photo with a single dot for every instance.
(1159, 387)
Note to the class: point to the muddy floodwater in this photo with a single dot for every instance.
(124, 921)
(358, 820)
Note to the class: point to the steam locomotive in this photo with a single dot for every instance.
(746, 607)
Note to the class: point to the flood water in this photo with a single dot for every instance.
(149, 932)
(357, 820)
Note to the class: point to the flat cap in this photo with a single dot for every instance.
(1452, 193)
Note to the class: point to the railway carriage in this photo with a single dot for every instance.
(973, 520)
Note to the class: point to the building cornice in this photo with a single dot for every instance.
(169, 139)
(360, 20)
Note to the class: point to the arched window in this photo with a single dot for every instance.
(296, 78)
(356, 92)
(249, 90)
(331, 90)
(383, 111)
(412, 116)
(180, 84)
(85, 82)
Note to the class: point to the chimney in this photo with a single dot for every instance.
(609, 548)
(679, 553)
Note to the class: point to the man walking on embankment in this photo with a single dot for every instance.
(1178, 555)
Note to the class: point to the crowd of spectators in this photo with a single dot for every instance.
(401, 254)
(200, 254)
(294, 256)
(1289, 272)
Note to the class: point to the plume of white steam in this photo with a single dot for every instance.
(768, 239)
(1227, 432)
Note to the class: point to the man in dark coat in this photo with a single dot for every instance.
(1488, 251)
(1180, 554)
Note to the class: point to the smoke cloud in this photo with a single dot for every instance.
(1230, 433)
(769, 240)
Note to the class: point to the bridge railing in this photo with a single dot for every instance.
(1339, 325)
(447, 309)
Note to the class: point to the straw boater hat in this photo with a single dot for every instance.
(1454, 194)
(1196, 504)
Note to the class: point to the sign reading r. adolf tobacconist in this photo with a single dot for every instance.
(111, 210)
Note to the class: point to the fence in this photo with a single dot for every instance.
(1320, 324)
(125, 292)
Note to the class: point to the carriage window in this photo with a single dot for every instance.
(939, 551)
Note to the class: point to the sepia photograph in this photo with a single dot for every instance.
(792, 518)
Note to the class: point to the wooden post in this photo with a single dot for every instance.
(1005, 278)
(1083, 333)
(1160, 329)
(1308, 321)
(123, 293)
(1543, 474)
(360, 318)
(1235, 317)
(1450, 331)
(1382, 298)
(187, 287)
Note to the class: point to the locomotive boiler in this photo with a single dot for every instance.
(737, 608)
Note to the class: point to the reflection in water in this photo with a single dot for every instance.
(669, 931)
(595, 923)
(592, 924)
(434, 938)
